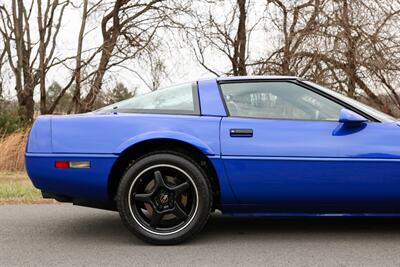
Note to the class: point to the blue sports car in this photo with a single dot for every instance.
(243, 145)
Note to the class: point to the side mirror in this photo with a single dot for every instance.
(350, 118)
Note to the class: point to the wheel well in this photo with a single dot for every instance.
(130, 155)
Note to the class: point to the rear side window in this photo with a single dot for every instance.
(179, 99)
(278, 100)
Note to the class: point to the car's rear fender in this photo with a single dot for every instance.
(171, 135)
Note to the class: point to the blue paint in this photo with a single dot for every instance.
(210, 98)
(287, 168)
(174, 135)
(292, 138)
(349, 117)
(226, 191)
(89, 184)
(39, 136)
(307, 185)
(112, 133)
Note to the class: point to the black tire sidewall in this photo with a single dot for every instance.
(200, 182)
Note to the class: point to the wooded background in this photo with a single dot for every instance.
(350, 46)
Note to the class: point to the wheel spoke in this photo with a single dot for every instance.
(155, 219)
(159, 180)
(179, 189)
(143, 197)
(179, 212)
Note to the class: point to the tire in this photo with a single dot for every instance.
(164, 198)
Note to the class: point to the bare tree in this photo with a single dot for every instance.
(78, 60)
(351, 46)
(345, 44)
(129, 30)
(297, 22)
(12, 31)
(382, 51)
(352, 34)
(31, 59)
(227, 34)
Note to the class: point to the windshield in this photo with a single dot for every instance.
(383, 117)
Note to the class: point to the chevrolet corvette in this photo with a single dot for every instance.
(264, 146)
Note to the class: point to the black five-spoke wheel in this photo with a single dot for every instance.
(164, 198)
(169, 194)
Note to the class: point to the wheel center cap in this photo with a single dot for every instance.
(164, 198)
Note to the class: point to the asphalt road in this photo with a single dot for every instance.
(64, 235)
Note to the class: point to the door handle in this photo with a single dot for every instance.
(241, 132)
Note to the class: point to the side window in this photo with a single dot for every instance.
(277, 100)
(179, 99)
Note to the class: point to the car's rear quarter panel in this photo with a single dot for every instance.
(100, 138)
(112, 133)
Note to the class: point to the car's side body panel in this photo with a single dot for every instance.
(314, 185)
(291, 138)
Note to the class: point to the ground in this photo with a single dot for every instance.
(15, 187)
(66, 235)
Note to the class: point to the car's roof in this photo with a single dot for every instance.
(268, 77)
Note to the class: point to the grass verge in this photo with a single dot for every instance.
(16, 188)
(12, 150)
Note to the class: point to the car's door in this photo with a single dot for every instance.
(285, 151)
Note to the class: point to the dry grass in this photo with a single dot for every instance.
(16, 188)
(12, 150)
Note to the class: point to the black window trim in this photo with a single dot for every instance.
(195, 112)
(301, 84)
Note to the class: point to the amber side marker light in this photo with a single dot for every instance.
(72, 164)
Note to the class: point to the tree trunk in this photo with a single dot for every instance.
(42, 59)
(24, 80)
(88, 102)
(110, 38)
(26, 106)
(76, 99)
(241, 41)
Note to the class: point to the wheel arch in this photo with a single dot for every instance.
(166, 135)
(133, 152)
